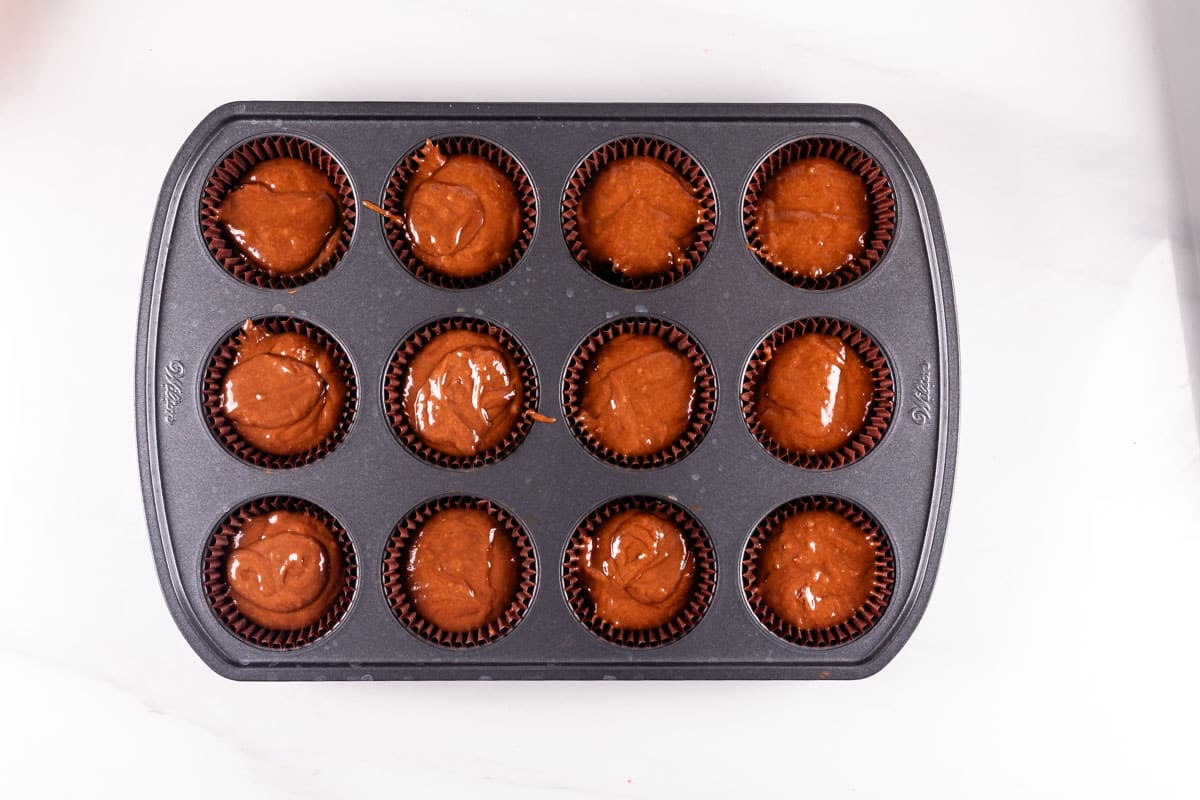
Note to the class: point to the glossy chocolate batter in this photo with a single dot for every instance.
(639, 215)
(816, 569)
(283, 394)
(462, 570)
(284, 215)
(284, 570)
(638, 570)
(815, 395)
(813, 217)
(462, 213)
(637, 396)
(463, 393)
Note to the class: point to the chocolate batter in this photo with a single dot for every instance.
(639, 215)
(283, 394)
(816, 394)
(638, 570)
(816, 569)
(637, 397)
(463, 392)
(813, 217)
(284, 570)
(284, 215)
(462, 570)
(462, 214)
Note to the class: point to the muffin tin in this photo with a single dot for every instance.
(369, 303)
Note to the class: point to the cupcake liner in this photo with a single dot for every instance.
(397, 187)
(222, 428)
(226, 177)
(865, 618)
(702, 592)
(879, 415)
(684, 164)
(395, 584)
(879, 194)
(216, 584)
(393, 392)
(703, 407)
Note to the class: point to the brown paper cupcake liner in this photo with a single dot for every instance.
(703, 407)
(397, 371)
(395, 584)
(879, 194)
(226, 177)
(865, 618)
(684, 164)
(223, 429)
(580, 601)
(216, 584)
(879, 414)
(397, 187)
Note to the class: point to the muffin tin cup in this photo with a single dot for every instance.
(397, 188)
(704, 582)
(704, 404)
(879, 414)
(212, 387)
(395, 581)
(373, 472)
(880, 196)
(397, 372)
(864, 619)
(216, 585)
(228, 174)
(675, 157)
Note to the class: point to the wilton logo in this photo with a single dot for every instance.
(923, 395)
(172, 389)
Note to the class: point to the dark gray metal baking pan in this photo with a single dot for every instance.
(369, 303)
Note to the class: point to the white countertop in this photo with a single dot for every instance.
(1058, 651)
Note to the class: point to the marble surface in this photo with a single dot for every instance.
(1057, 652)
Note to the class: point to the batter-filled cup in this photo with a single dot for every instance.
(640, 393)
(639, 213)
(639, 571)
(819, 213)
(818, 393)
(279, 392)
(278, 212)
(818, 571)
(460, 211)
(461, 392)
(459, 571)
(279, 572)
